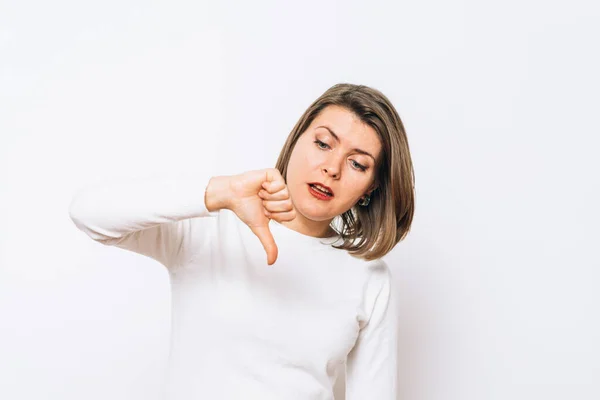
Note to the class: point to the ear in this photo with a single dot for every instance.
(372, 188)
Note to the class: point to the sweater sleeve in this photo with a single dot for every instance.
(149, 216)
(372, 364)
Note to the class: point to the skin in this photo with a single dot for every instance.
(260, 195)
(334, 164)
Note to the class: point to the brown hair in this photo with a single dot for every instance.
(369, 232)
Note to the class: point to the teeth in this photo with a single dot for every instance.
(322, 189)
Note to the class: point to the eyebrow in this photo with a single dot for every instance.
(338, 140)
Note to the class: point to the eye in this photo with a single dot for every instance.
(319, 143)
(359, 166)
(324, 146)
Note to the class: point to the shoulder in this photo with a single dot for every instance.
(375, 276)
(377, 289)
(379, 275)
(374, 270)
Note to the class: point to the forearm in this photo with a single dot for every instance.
(109, 211)
(218, 193)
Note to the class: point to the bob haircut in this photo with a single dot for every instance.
(369, 232)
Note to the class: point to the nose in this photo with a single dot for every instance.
(332, 170)
(333, 175)
(332, 165)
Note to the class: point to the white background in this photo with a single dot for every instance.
(499, 276)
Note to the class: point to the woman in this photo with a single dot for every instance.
(340, 197)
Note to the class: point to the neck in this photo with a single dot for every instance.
(320, 229)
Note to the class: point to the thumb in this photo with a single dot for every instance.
(266, 239)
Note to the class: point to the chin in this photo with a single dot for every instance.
(310, 207)
(313, 213)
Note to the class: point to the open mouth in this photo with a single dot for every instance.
(320, 190)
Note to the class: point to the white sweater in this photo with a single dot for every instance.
(242, 329)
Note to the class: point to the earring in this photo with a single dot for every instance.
(364, 201)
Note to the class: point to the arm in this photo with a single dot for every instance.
(149, 216)
(372, 364)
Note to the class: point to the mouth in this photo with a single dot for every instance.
(322, 190)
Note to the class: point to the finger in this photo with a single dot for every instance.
(273, 186)
(282, 216)
(280, 195)
(274, 182)
(278, 205)
(266, 239)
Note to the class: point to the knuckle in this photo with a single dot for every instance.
(276, 217)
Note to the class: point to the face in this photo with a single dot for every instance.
(339, 151)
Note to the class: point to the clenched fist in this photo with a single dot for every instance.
(255, 197)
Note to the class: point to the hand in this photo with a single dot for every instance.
(256, 197)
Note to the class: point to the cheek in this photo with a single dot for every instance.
(294, 171)
(302, 164)
(306, 155)
(354, 189)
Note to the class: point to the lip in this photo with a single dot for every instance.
(325, 186)
(318, 194)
